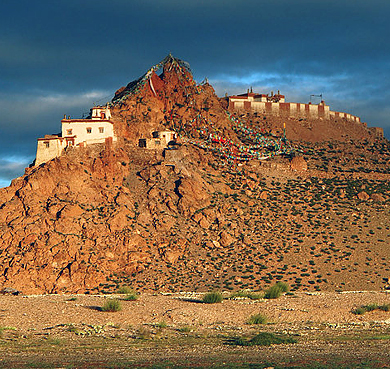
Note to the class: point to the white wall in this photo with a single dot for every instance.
(48, 149)
(96, 112)
(79, 129)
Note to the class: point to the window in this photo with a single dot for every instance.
(89, 130)
(47, 144)
(69, 132)
(101, 129)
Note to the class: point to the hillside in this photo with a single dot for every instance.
(209, 215)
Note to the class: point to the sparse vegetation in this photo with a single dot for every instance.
(257, 319)
(371, 307)
(185, 329)
(111, 305)
(212, 298)
(162, 324)
(263, 339)
(124, 290)
(276, 290)
(130, 294)
(2, 329)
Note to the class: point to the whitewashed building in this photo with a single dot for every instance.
(97, 128)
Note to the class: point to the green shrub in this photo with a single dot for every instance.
(131, 296)
(359, 311)
(185, 329)
(263, 339)
(273, 292)
(283, 286)
(111, 305)
(124, 290)
(370, 307)
(257, 319)
(212, 297)
(2, 329)
(276, 290)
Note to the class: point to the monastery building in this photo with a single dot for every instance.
(97, 128)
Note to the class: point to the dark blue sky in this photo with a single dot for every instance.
(62, 56)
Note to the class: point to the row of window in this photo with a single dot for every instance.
(69, 132)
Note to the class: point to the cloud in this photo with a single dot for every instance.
(12, 167)
(19, 110)
(31, 114)
(363, 95)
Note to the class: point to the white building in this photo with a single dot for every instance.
(159, 140)
(77, 132)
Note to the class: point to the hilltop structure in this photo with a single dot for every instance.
(159, 140)
(238, 205)
(155, 109)
(276, 105)
(97, 128)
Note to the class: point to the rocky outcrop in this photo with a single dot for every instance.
(99, 216)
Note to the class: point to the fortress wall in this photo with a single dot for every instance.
(337, 114)
(297, 110)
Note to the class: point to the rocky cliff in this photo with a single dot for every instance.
(208, 215)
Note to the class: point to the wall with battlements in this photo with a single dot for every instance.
(276, 105)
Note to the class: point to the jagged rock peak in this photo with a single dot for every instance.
(168, 64)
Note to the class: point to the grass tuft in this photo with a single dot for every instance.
(276, 290)
(124, 290)
(131, 296)
(257, 319)
(370, 307)
(111, 305)
(162, 324)
(212, 298)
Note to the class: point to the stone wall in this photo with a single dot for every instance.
(258, 104)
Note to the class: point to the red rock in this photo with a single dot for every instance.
(298, 163)
(377, 197)
(363, 196)
(263, 195)
(225, 239)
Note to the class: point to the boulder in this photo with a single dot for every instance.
(298, 163)
(363, 196)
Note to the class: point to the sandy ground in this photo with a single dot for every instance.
(42, 311)
(178, 328)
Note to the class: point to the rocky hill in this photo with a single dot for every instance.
(236, 206)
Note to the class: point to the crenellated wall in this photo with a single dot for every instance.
(262, 104)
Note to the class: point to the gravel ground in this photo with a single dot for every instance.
(72, 331)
